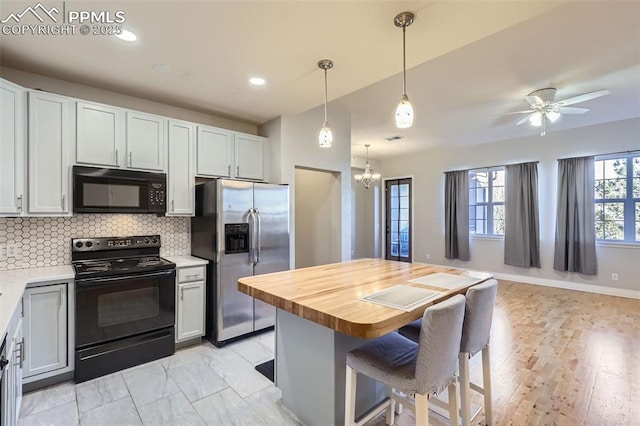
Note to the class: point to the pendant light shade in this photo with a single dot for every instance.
(325, 137)
(404, 110)
(367, 178)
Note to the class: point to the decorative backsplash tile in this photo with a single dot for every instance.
(46, 241)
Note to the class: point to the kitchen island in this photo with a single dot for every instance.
(321, 317)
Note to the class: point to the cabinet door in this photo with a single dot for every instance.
(249, 156)
(99, 138)
(45, 329)
(180, 172)
(12, 143)
(16, 369)
(190, 312)
(145, 141)
(49, 138)
(214, 152)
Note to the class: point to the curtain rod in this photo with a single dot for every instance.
(602, 155)
(490, 167)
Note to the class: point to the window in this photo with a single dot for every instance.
(486, 201)
(398, 219)
(617, 197)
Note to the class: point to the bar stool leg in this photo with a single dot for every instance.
(486, 385)
(391, 409)
(350, 396)
(453, 404)
(422, 410)
(465, 390)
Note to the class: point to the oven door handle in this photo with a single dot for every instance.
(90, 281)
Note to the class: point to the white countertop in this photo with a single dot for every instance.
(13, 283)
(182, 261)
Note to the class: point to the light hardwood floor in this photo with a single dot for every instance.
(561, 357)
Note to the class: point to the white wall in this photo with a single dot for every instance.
(67, 88)
(488, 254)
(294, 139)
(365, 218)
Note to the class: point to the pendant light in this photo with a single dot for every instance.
(367, 178)
(404, 110)
(325, 137)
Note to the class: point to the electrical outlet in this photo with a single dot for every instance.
(12, 250)
(3, 253)
(614, 277)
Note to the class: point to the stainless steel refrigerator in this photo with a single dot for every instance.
(242, 228)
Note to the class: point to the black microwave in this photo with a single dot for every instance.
(97, 190)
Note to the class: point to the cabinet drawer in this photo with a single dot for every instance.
(194, 273)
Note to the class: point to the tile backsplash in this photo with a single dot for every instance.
(46, 241)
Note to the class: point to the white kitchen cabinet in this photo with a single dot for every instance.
(12, 386)
(50, 128)
(223, 153)
(180, 176)
(146, 141)
(100, 135)
(249, 155)
(214, 152)
(12, 144)
(45, 330)
(190, 303)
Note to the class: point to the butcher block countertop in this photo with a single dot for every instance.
(329, 294)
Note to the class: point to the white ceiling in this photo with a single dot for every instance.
(470, 61)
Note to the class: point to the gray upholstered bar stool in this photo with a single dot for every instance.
(422, 368)
(475, 338)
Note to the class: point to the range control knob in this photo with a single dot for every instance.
(154, 240)
(89, 244)
(146, 241)
(79, 244)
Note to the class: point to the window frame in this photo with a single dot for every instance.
(629, 202)
(489, 204)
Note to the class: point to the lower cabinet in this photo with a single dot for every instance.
(45, 331)
(12, 380)
(190, 299)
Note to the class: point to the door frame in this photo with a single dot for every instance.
(383, 219)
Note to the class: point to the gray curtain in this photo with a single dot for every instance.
(575, 246)
(522, 230)
(456, 215)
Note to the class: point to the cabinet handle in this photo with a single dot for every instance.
(229, 170)
(192, 276)
(21, 343)
(237, 171)
(182, 293)
(22, 307)
(62, 204)
(130, 161)
(19, 202)
(172, 206)
(117, 158)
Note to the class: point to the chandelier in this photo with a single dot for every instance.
(367, 178)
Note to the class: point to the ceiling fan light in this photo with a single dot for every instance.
(404, 113)
(325, 137)
(535, 119)
(553, 116)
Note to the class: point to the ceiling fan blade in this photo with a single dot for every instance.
(584, 97)
(534, 100)
(520, 112)
(524, 119)
(572, 110)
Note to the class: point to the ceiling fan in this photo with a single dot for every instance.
(543, 106)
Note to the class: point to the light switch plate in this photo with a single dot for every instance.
(3, 253)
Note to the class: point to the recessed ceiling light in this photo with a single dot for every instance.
(257, 81)
(127, 35)
(161, 68)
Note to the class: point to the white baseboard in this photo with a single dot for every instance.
(567, 285)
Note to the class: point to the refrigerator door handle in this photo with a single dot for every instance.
(258, 232)
(252, 228)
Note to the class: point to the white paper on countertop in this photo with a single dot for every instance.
(451, 281)
(403, 297)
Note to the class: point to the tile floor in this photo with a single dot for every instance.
(197, 385)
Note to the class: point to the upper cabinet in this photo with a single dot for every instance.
(12, 143)
(50, 135)
(145, 141)
(100, 135)
(180, 198)
(112, 137)
(223, 153)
